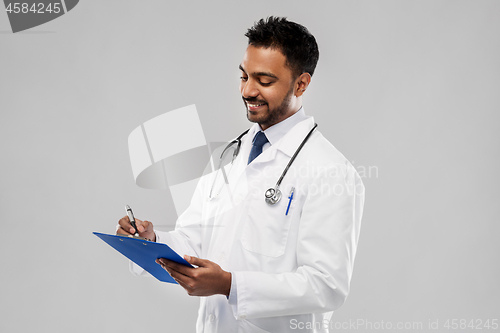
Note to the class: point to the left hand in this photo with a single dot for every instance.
(205, 280)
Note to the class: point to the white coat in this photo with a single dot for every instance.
(290, 271)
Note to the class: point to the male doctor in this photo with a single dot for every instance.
(264, 267)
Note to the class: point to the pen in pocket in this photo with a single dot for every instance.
(290, 200)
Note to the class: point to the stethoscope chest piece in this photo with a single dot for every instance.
(273, 196)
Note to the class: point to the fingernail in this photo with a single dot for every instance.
(187, 257)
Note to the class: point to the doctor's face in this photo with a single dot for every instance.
(267, 86)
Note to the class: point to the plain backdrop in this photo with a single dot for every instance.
(408, 90)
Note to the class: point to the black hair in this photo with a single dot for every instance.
(296, 43)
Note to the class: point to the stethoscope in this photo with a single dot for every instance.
(272, 195)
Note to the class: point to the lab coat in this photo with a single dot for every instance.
(289, 271)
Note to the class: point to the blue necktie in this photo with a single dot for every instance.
(258, 141)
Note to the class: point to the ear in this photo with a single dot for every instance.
(302, 83)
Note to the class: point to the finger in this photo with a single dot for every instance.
(197, 261)
(126, 226)
(187, 271)
(182, 281)
(141, 225)
(120, 231)
(185, 286)
(124, 221)
(172, 265)
(180, 278)
(166, 264)
(121, 227)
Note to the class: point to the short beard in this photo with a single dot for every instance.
(273, 115)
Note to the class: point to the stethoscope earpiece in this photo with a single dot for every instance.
(273, 196)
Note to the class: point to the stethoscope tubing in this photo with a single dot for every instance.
(237, 150)
(295, 154)
(274, 193)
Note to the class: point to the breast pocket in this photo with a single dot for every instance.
(266, 227)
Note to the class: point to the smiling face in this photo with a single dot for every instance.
(267, 86)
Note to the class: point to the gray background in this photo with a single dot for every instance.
(408, 87)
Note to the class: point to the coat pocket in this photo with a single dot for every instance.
(266, 227)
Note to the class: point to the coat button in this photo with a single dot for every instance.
(211, 317)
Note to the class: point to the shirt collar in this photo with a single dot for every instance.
(280, 129)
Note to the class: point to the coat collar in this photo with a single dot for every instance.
(288, 144)
(292, 140)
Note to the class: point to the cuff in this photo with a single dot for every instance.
(238, 302)
(233, 294)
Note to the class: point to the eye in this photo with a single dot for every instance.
(265, 84)
(243, 78)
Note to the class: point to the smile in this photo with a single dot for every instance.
(254, 106)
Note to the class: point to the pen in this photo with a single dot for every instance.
(289, 202)
(132, 219)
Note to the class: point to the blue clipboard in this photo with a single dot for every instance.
(144, 253)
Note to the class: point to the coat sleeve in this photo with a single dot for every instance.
(327, 240)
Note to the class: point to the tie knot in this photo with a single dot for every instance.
(259, 139)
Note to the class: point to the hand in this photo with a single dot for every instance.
(206, 280)
(145, 228)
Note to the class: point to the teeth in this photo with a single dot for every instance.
(254, 105)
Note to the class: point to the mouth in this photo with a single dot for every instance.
(254, 106)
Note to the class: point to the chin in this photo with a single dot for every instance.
(251, 118)
(254, 118)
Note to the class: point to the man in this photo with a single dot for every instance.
(270, 267)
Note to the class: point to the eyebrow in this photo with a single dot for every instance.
(259, 73)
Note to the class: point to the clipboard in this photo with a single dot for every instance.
(144, 253)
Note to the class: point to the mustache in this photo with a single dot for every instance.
(254, 100)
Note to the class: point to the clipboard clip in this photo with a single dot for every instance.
(136, 237)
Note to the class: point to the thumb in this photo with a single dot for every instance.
(196, 261)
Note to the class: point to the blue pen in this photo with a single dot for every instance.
(289, 202)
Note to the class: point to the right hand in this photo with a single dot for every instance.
(145, 228)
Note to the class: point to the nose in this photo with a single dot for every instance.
(248, 89)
